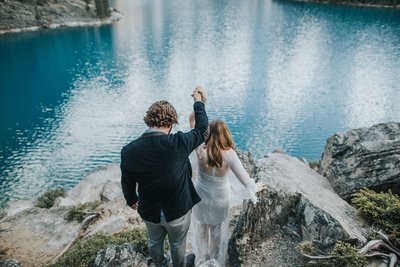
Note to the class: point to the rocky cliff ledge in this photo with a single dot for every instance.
(298, 205)
(26, 15)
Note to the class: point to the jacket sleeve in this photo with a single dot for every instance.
(196, 136)
(128, 182)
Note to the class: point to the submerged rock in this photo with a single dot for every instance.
(298, 201)
(365, 157)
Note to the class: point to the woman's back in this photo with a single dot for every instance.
(214, 171)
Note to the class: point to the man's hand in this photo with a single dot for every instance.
(134, 206)
(199, 94)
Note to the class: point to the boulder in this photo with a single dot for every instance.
(298, 201)
(119, 256)
(112, 190)
(101, 184)
(365, 157)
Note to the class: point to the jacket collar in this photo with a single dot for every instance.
(152, 132)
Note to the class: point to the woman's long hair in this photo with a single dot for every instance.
(219, 139)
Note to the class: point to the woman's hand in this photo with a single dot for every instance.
(261, 186)
(134, 206)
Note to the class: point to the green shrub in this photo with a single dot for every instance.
(46, 200)
(137, 237)
(346, 255)
(382, 210)
(84, 251)
(81, 211)
(307, 247)
(343, 254)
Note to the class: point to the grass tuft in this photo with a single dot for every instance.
(46, 201)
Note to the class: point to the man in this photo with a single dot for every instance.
(158, 163)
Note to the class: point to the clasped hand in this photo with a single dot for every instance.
(134, 206)
(199, 94)
(261, 186)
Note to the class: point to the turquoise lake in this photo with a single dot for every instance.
(283, 75)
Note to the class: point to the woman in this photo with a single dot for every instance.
(221, 181)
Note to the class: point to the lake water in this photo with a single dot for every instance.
(281, 74)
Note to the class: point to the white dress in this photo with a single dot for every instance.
(220, 189)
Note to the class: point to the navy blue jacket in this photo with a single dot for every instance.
(158, 163)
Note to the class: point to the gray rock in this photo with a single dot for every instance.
(18, 206)
(112, 190)
(111, 224)
(366, 157)
(247, 161)
(119, 256)
(10, 263)
(298, 201)
(95, 187)
(34, 236)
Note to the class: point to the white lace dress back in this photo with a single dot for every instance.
(220, 188)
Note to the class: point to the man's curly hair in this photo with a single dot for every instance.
(161, 114)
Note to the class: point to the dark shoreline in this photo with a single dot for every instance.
(395, 5)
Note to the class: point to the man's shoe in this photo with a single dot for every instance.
(150, 262)
(190, 260)
(165, 263)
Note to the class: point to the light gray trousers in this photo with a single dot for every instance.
(177, 231)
